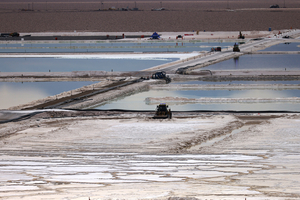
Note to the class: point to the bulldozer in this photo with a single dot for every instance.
(162, 112)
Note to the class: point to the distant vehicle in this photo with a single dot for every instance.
(162, 112)
(274, 6)
(216, 49)
(158, 9)
(14, 34)
(161, 75)
(241, 36)
(236, 48)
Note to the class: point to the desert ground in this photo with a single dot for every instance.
(234, 15)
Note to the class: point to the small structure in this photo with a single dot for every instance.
(155, 36)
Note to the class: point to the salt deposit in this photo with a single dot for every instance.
(140, 158)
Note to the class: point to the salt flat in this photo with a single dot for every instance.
(135, 157)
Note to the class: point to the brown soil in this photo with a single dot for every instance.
(213, 15)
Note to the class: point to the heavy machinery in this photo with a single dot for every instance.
(241, 36)
(161, 75)
(236, 48)
(216, 49)
(162, 112)
(14, 34)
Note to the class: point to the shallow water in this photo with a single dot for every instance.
(68, 65)
(180, 46)
(137, 101)
(15, 93)
(234, 82)
(257, 62)
(293, 46)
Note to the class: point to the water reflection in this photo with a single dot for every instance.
(236, 62)
(13, 94)
(260, 62)
(137, 101)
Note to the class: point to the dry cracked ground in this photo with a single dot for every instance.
(131, 156)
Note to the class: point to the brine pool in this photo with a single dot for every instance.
(286, 46)
(13, 94)
(16, 93)
(257, 62)
(137, 101)
(68, 64)
(103, 46)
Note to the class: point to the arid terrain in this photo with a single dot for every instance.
(74, 15)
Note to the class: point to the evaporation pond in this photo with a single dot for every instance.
(16, 93)
(137, 101)
(155, 46)
(35, 64)
(287, 46)
(234, 82)
(278, 62)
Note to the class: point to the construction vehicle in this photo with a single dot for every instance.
(216, 49)
(162, 112)
(14, 34)
(274, 6)
(236, 48)
(241, 36)
(161, 75)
